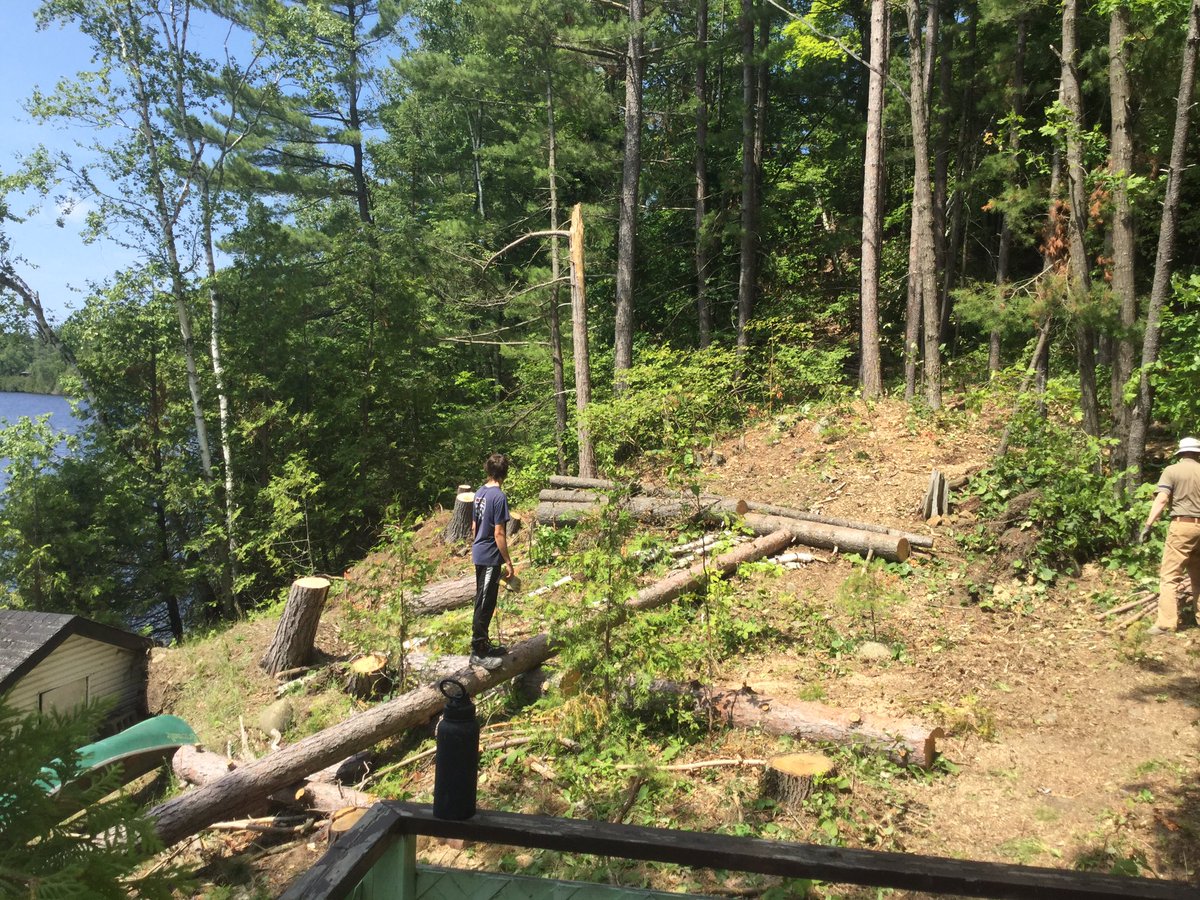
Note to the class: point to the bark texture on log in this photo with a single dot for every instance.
(459, 527)
(827, 537)
(293, 642)
(647, 509)
(453, 593)
(567, 495)
(906, 742)
(588, 484)
(200, 767)
(767, 509)
(243, 787)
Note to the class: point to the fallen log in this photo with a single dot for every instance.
(648, 509)
(453, 593)
(827, 537)
(588, 484)
(238, 790)
(200, 767)
(767, 509)
(562, 495)
(905, 742)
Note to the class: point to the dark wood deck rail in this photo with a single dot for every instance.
(341, 869)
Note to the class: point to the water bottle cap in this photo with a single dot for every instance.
(453, 690)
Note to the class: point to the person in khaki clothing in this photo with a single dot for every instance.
(1178, 488)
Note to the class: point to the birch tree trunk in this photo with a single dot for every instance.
(870, 369)
(922, 217)
(1004, 251)
(1120, 167)
(630, 174)
(703, 306)
(579, 341)
(556, 355)
(747, 274)
(1135, 453)
(1079, 275)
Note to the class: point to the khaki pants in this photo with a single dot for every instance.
(1181, 555)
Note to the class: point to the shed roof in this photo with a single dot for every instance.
(26, 638)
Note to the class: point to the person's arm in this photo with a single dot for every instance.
(1161, 500)
(502, 546)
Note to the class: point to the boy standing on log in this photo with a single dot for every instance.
(489, 552)
(1179, 489)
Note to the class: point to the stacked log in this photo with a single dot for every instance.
(767, 509)
(830, 537)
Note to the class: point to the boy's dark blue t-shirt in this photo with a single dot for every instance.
(490, 510)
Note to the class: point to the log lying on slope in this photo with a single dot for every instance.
(589, 484)
(766, 509)
(648, 509)
(563, 495)
(906, 742)
(200, 767)
(453, 593)
(827, 537)
(242, 788)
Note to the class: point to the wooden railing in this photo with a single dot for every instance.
(386, 832)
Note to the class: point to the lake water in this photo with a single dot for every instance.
(14, 405)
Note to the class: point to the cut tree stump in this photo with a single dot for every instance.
(292, 645)
(240, 789)
(342, 821)
(937, 497)
(789, 780)
(459, 527)
(515, 522)
(367, 677)
(767, 509)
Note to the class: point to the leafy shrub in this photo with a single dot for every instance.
(868, 594)
(1176, 377)
(1053, 481)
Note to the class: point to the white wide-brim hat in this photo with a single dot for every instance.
(1189, 445)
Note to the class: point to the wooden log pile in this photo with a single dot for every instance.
(571, 499)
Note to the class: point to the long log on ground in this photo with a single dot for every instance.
(906, 742)
(293, 642)
(827, 537)
(648, 509)
(240, 789)
(200, 767)
(767, 509)
(564, 495)
(587, 484)
(453, 593)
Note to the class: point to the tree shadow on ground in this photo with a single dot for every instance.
(1184, 688)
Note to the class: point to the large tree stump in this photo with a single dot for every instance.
(789, 780)
(459, 528)
(292, 645)
(367, 677)
(514, 524)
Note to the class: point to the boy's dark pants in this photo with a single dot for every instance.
(487, 586)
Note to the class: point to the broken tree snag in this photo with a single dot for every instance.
(937, 497)
(914, 540)
(827, 537)
(292, 645)
(459, 527)
(367, 677)
(790, 779)
(453, 593)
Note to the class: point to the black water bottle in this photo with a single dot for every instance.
(456, 771)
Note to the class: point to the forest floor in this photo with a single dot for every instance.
(1067, 745)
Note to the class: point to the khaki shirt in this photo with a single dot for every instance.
(1182, 480)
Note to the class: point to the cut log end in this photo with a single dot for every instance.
(367, 676)
(789, 780)
(313, 583)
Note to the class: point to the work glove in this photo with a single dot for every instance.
(1144, 534)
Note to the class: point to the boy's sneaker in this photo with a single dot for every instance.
(489, 657)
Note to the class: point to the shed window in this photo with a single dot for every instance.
(65, 697)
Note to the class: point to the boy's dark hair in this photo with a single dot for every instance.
(496, 466)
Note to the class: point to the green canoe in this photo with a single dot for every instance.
(136, 750)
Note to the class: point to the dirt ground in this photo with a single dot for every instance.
(1067, 744)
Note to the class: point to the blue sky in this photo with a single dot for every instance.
(60, 264)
